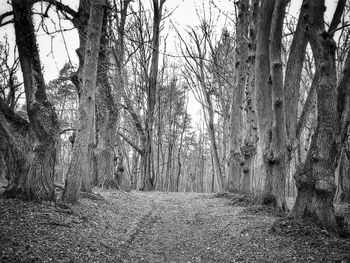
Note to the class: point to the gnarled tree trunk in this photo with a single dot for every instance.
(82, 169)
(315, 177)
(15, 148)
(106, 117)
(38, 184)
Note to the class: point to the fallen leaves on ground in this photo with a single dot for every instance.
(157, 227)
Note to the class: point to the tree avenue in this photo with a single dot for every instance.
(272, 85)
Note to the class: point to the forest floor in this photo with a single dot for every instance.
(160, 227)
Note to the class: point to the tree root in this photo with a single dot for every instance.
(91, 196)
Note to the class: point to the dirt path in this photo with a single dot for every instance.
(184, 227)
(154, 227)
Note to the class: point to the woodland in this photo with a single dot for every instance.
(112, 145)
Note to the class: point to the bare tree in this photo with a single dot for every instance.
(197, 70)
(82, 168)
(107, 112)
(315, 177)
(238, 181)
(33, 178)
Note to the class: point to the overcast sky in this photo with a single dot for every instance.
(185, 14)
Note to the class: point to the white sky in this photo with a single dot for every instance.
(183, 16)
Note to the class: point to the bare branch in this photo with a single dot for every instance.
(59, 6)
(339, 28)
(137, 148)
(337, 16)
(11, 115)
(4, 16)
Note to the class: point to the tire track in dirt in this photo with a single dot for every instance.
(181, 228)
(158, 227)
(139, 224)
(194, 227)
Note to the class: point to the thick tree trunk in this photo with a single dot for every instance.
(39, 182)
(106, 117)
(343, 177)
(272, 146)
(293, 75)
(277, 159)
(263, 96)
(292, 82)
(343, 106)
(237, 179)
(82, 168)
(15, 148)
(307, 108)
(250, 137)
(315, 178)
(107, 112)
(80, 21)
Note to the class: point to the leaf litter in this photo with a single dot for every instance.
(159, 227)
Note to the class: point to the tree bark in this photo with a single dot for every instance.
(211, 131)
(343, 108)
(81, 169)
(106, 116)
(147, 164)
(307, 108)
(80, 21)
(38, 184)
(293, 75)
(315, 177)
(249, 144)
(343, 176)
(237, 180)
(15, 148)
(263, 94)
(277, 158)
(343, 103)
(179, 153)
(171, 138)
